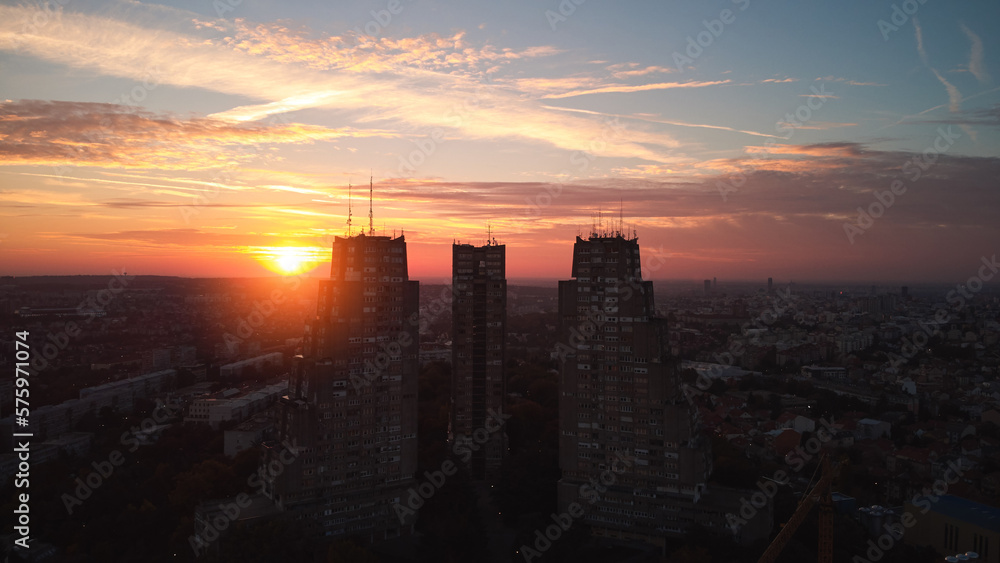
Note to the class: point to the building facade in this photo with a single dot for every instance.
(630, 449)
(479, 327)
(953, 525)
(347, 449)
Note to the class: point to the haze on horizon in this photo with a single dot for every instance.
(219, 139)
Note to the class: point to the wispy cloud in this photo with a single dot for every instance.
(833, 149)
(816, 125)
(93, 134)
(624, 88)
(986, 116)
(413, 84)
(954, 95)
(630, 70)
(365, 53)
(919, 33)
(976, 55)
(654, 119)
(847, 81)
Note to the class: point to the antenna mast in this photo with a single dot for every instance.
(349, 213)
(621, 216)
(371, 217)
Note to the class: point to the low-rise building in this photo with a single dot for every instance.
(954, 524)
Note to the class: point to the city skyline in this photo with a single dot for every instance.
(629, 434)
(740, 140)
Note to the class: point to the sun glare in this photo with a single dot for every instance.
(290, 260)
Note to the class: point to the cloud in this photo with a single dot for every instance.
(654, 119)
(954, 95)
(109, 135)
(629, 70)
(180, 237)
(833, 149)
(985, 116)
(794, 197)
(543, 86)
(814, 193)
(363, 53)
(440, 83)
(623, 88)
(815, 125)
(847, 81)
(919, 34)
(976, 55)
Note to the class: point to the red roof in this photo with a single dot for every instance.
(728, 429)
(787, 417)
(786, 441)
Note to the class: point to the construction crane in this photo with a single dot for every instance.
(819, 494)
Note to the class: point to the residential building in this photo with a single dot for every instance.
(348, 435)
(479, 327)
(623, 417)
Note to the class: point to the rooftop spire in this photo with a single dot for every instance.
(371, 217)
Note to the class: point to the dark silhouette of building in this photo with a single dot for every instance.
(479, 326)
(350, 417)
(623, 418)
(770, 286)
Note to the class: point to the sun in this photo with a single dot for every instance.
(289, 260)
(289, 264)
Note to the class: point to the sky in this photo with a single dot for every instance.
(738, 139)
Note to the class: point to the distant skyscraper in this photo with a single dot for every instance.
(708, 287)
(714, 283)
(350, 416)
(770, 286)
(623, 418)
(479, 326)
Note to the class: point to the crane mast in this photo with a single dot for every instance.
(819, 494)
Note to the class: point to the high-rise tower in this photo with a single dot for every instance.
(350, 417)
(624, 421)
(479, 326)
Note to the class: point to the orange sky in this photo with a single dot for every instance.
(168, 141)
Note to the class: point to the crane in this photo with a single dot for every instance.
(819, 494)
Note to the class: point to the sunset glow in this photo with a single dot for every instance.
(168, 137)
(290, 260)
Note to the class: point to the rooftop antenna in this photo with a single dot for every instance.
(349, 213)
(621, 216)
(489, 233)
(371, 217)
